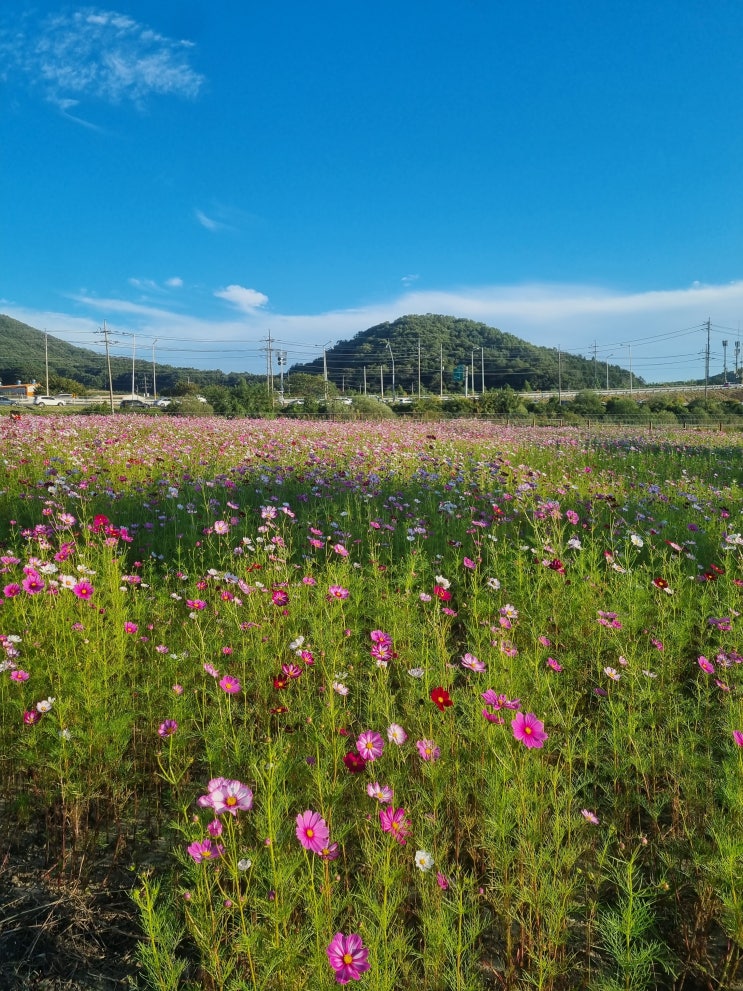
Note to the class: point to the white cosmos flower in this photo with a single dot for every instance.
(423, 860)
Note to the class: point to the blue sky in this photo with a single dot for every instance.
(199, 174)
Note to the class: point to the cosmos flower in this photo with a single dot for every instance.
(441, 698)
(529, 730)
(205, 850)
(348, 957)
(370, 745)
(423, 860)
(428, 750)
(312, 831)
(396, 734)
(395, 821)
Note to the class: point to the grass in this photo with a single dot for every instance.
(580, 579)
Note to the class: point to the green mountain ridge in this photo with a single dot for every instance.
(450, 354)
(447, 350)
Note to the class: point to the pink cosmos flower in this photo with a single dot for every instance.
(230, 685)
(83, 590)
(370, 745)
(130, 627)
(168, 728)
(340, 550)
(528, 730)
(312, 831)
(552, 663)
(738, 737)
(31, 716)
(19, 675)
(395, 821)
(205, 850)
(442, 880)
(382, 793)
(33, 583)
(428, 750)
(468, 563)
(348, 957)
(226, 795)
(396, 734)
(10, 591)
(590, 816)
(472, 663)
(706, 665)
(337, 592)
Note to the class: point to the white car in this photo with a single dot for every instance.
(49, 401)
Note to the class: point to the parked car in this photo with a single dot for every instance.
(49, 401)
(5, 401)
(163, 403)
(134, 404)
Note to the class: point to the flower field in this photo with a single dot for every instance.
(418, 706)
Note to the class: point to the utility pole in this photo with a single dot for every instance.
(466, 380)
(134, 351)
(737, 353)
(104, 331)
(482, 370)
(706, 361)
(559, 377)
(724, 362)
(419, 366)
(607, 370)
(392, 358)
(154, 372)
(630, 369)
(325, 370)
(46, 361)
(364, 379)
(472, 365)
(441, 372)
(595, 374)
(381, 380)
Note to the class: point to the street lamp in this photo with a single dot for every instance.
(607, 369)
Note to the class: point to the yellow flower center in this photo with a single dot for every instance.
(347, 958)
(527, 730)
(310, 833)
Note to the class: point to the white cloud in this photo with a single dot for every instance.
(91, 54)
(175, 283)
(664, 328)
(208, 222)
(244, 299)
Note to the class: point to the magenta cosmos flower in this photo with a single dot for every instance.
(370, 745)
(528, 729)
(348, 957)
(428, 750)
(337, 592)
(205, 850)
(83, 590)
(396, 822)
(312, 831)
(738, 737)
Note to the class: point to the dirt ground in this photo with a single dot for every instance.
(61, 933)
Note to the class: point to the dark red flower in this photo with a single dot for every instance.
(354, 762)
(556, 565)
(660, 583)
(278, 710)
(440, 698)
(280, 682)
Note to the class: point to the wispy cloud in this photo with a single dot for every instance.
(208, 222)
(246, 300)
(663, 327)
(91, 54)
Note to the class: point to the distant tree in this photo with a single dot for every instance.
(587, 403)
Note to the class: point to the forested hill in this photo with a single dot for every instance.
(22, 359)
(456, 344)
